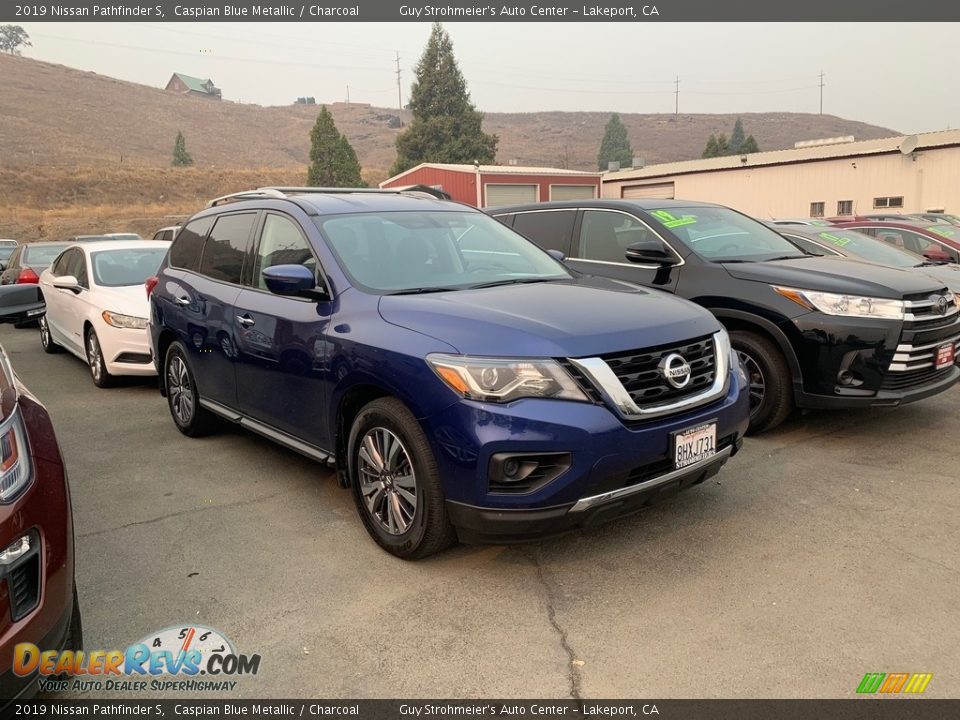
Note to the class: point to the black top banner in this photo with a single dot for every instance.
(479, 11)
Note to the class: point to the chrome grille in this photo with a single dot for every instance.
(910, 358)
(640, 373)
(923, 312)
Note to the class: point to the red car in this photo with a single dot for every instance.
(940, 243)
(38, 596)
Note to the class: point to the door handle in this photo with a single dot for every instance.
(246, 320)
(182, 300)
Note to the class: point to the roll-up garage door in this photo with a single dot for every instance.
(572, 192)
(510, 194)
(661, 191)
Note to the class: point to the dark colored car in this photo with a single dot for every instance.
(935, 241)
(29, 260)
(813, 332)
(462, 381)
(38, 597)
(859, 246)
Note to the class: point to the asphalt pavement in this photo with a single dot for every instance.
(823, 551)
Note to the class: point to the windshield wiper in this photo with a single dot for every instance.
(512, 281)
(421, 290)
(784, 257)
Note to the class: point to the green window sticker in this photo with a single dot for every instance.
(835, 239)
(670, 221)
(942, 232)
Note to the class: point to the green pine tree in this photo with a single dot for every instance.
(749, 146)
(615, 146)
(181, 158)
(711, 150)
(333, 161)
(736, 137)
(446, 127)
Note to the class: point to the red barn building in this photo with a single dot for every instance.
(493, 185)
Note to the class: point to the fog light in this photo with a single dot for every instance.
(848, 378)
(14, 550)
(511, 468)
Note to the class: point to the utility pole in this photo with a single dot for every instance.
(821, 92)
(676, 96)
(348, 94)
(399, 96)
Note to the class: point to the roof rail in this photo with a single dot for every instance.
(283, 192)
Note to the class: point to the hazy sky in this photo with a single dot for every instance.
(887, 74)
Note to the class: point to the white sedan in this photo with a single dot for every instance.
(97, 305)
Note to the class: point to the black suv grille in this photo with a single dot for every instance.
(926, 312)
(640, 374)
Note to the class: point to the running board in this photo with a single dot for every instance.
(278, 436)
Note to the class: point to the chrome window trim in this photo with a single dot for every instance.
(602, 377)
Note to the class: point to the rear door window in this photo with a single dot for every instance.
(551, 229)
(185, 252)
(226, 246)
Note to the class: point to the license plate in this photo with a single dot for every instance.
(945, 356)
(694, 444)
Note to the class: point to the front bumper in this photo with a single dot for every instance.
(613, 467)
(476, 524)
(126, 350)
(855, 362)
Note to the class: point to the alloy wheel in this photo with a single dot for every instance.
(388, 483)
(44, 332)
(755, 379)
(179, 390)
(95, 357)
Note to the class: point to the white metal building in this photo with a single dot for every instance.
(821, 179)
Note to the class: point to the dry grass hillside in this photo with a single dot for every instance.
(80, 151)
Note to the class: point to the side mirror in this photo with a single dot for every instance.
(557, 255)
(66, 282)
(293, 280)
(650, 252)
(19, 303)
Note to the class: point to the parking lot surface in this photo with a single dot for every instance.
(824, 550)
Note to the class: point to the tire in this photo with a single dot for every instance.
(74, 639)
(770, 381)
(183, 400)
(408, 530)
(46, 339)
(98, 366)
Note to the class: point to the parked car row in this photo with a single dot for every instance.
(508, 377)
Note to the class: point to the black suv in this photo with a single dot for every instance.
(812, 332)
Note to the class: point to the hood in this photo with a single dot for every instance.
(127, 300)
(580, 318)
(948, 275)
(837, 275)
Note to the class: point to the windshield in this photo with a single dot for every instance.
(118, 268)
(867, 248)
(394, 252)
(6, 251)
(40, 255)
(719, 234)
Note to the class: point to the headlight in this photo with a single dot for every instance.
(504, 380)
(845, 305)
(15, 467)
(725, 349)
(124, 321)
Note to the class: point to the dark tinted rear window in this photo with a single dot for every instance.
(224, 250)
(185, 252)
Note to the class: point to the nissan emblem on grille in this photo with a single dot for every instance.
(675, 370)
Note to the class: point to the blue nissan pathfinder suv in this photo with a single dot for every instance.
(464, 382)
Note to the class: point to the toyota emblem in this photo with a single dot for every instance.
(676, 370)
(942, 305)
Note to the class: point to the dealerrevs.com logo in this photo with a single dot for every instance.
(186, 658)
